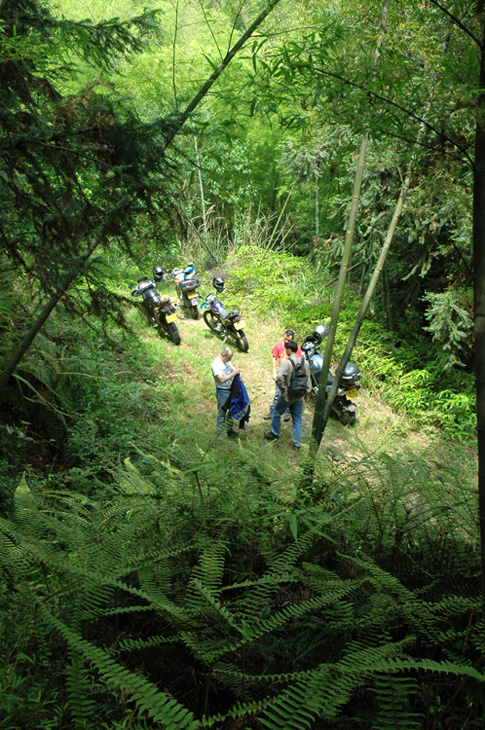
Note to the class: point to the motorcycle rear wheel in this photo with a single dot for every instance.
(174, 333)
(214, 323)
(194, 312)
(241, 341)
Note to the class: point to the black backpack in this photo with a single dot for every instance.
(298, 378)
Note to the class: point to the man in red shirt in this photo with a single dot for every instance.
(279, 354)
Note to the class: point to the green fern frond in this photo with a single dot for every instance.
(140, 644)
(278, 564)
(393, 694)
(240, 710)
(282, 560)
(218, 609)
(132, 482)
(96, 575)
(83, 708)
(324, 691)
(396, 664)
(158, 705)
(382, 579)
(212, 649)
(273, 580)
(211, 565)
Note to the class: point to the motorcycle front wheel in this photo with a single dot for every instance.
(241, 340)
(214, 323)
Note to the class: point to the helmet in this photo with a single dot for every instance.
(189, 269)
(319, 333)
(158, 272)
(218, 283)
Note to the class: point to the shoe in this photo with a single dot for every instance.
(287, 417)
(268, 417)
(297, 447)
(270, 436)
(232, 435)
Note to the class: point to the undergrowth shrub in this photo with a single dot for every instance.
(276, 282)
(210, 603)
(451, 324)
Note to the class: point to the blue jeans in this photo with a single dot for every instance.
(277, 393)
(224, 420)
(296, 410)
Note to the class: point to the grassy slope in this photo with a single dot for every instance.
(187, 384)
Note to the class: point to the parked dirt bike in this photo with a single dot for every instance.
(343, 407)
(159, 311)
(186, 285)
(223, 322)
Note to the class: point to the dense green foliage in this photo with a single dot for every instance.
(169, 580)
(150, 575)
(198, 602)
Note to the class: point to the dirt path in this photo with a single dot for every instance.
(187, 368)
(191, 363)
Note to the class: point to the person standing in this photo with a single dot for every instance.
(224, 371)
(279, 354)
(284, 401)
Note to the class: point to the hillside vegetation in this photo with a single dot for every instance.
(196, 580)
(327, 160)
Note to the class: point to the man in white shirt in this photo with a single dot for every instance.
(223, 371)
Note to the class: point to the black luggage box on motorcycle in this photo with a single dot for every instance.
(189, 284)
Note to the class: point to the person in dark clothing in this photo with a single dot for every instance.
(278, 354)
(295, 404)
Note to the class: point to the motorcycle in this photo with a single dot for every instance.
(186, 285)
(223, 322)
(343, 407)
(159, 312)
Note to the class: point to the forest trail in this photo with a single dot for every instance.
(255, 365)
(187, 369)
(189, 364)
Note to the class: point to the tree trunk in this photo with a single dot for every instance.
(317, 206)
(479, 299)
(180, 120)
(318, 419)
(201, 187)
(367, 299)
(73, 271)
(318, 424)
